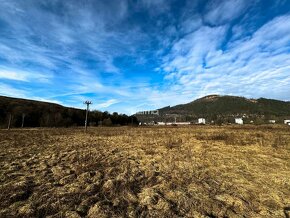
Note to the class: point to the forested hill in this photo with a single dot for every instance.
(44, 114)
(230, 105)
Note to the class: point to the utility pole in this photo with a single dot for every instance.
(87, 112)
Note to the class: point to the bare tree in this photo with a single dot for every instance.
(9, 121)
(23, 117)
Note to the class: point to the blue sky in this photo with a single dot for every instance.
(132, 55)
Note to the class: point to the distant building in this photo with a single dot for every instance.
(272, 121)
(239, 121)
(182, 123)
(174, 123)
(201, 121)
(153, 112)
(286, 122)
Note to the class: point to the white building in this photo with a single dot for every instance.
(272, 121)
(239, 121)
(286, 122)
(201, 121)
(153, 112)
(182, 123)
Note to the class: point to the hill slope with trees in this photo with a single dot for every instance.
(44, 114)
(230, 105)
(223, 109)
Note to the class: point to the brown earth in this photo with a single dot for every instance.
(196, 171)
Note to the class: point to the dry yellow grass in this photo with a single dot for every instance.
(196, 171)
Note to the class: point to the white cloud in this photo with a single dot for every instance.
(255, 66)
(12, 75)
(45, 100)
(220, 12)
(10, 91)
(107, 103)
(191, 24)
(18, 75)
(54, 39)
(188, 53)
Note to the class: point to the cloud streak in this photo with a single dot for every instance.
(221, 12)
(24, 76)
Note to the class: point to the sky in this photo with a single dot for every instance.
(133, 55)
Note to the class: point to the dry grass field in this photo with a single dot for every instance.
(196, 171)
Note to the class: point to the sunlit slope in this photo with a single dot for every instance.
(230, 105)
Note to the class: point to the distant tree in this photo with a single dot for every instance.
(133, 120)
(105, 115)
(115, 118)
(58, 119)
(107, 122)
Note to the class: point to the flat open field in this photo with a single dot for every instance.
(196, 171)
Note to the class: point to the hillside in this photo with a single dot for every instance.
(45, 114)
(230, 105)
(223, 109)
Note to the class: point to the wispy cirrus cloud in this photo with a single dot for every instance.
(250, 67)
(220, 12)
(107, 103)
(25, 76)
(8, 90)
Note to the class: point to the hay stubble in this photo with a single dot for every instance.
(197, 171)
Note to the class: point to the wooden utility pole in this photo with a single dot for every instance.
(9, 121)
(87, 113)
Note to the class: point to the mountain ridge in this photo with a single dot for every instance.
(230, 105)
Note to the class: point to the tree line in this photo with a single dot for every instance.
(27, 113)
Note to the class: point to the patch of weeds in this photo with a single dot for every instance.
(280, 142)
(173, 143)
